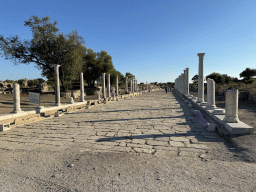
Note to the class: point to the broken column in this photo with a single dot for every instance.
(16, 98)
(109, 91)
(81, 87)
(103, 86)
(231, 106)
(57, 84)
(210, 94)
(201, 79)
(147, 85)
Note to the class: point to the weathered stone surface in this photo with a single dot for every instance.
(231, 107)
(176, 144)
(166, 154)
(180, 139)
(154, 142)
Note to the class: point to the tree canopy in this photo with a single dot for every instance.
(48, 47)
(195, 79)
(248, 73)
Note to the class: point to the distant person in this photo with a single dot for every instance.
(166, 90)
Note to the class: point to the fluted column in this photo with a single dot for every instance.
(103, 86)
(134, 85)
(57, 84)
(81, 87)
(187, 81)
(109, 91)
(201, 78)
(131, 85)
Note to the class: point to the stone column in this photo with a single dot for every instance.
(201, 79)
(126, 85)
(16, 98)
(116, 85)
(210, 94)
(187, 81)
(103, 86)
(81, 87)
(231, 106)
(147, 85)
(134, 90)
(180, 84)
(131, 85)
(109, 91)
(183, 82)
(113, 91)
(57, 84)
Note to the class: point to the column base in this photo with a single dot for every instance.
(211, 107)
(231, 119)
(203, 103)
(17, 111)
(218, 112)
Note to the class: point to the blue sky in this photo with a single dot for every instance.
(153, 39)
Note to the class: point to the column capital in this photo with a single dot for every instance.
(200, 55)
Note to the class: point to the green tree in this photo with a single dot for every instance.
(195, 79)
(218, 78)
(248, 73)
(47, 48)
(129, 75)
(32, 83)
(94, 66)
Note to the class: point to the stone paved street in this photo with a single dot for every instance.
(150, 142)
(152, 123)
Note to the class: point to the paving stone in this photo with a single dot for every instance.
(197, 146)
(166, 148)
(144, 150)
(167, 154)
(162, 138)
(176, 144)
(180, 139)
(154, 142)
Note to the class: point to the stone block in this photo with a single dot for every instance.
(211, 127)
(4, 127)
(58, 114)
